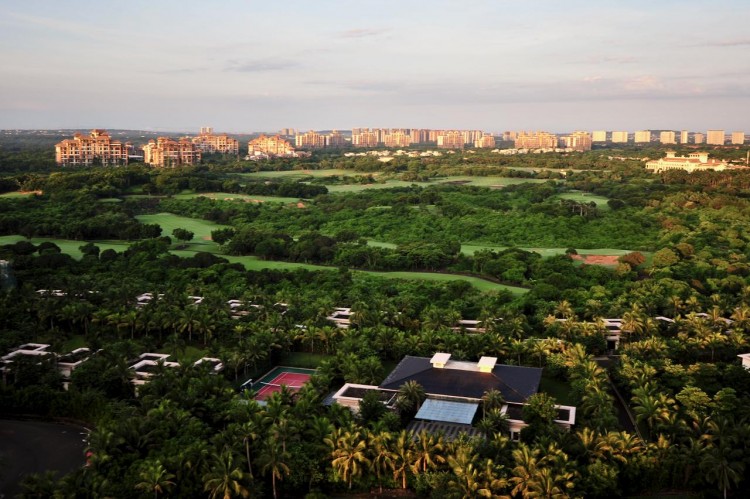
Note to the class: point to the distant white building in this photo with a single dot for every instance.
(697, 161)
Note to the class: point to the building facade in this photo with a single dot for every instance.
(452, 139)
(269, 146)
(684, 137)
(96, 148)
(642, 137)
(365, 138)
(715, 137)
(578, 141)
(310, 140)
(485, 141)
(619, 137)
(209, 143)
(738, 138)
(599, 136)
(166, 152)
(397, 138)
(699, 138)
(668, 137)
(536, 140)
(697, 161)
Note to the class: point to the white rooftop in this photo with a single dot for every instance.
(440, 358)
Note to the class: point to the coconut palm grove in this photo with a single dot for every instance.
(461, 325)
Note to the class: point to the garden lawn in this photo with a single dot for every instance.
(587, 197)
(229, 196)
(477, 282)
(201, 228)
(298, 174)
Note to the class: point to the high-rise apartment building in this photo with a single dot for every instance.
(418, 135)
(270, 146)
(738, 138)
(619, 137)
(716, 138)
(536, 140)
(365, 138)
(207, 142)
(397, 138)
(642, 137)
(165, 152)
(487, 140)
(336, 139)
(96, 148)
(509, 135)
(310, 140)
(452, 139)
(699, 138)
(684, 137)
(668, 137)
(599, 136)
(578, 141)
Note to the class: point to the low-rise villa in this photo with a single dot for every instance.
(454, 392)
(693, 162)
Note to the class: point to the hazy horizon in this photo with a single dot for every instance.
(245, 66)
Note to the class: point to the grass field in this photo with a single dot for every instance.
(16, 194)
(470, 249)
(201, 228)
(480, 284)
(229, 196)
(298, 174)
(586, 197)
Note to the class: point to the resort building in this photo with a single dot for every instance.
(165, 152)
(715, 137)
(745, 360)
(536, 140)
(270, 146)
(697, 161)
(207, 142)
(97, 148)
(738, 138)
(454, 392)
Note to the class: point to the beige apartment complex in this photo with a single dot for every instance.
(270, 146)
(699, 138)
(642, 136)
(578, 141)
(365, 138)
(310, 140)
(668, 137)
(453, 139)
(738, 138)
(599, 136)
(336, 139)
(96, 148)
(684, 137)
(207, 142)
(620, 137)
(397, 138)
(166, 152)
(487, 140)
(536, 140)
(715, 137)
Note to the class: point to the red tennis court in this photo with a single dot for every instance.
(293, 382)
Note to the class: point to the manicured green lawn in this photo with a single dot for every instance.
(470, 249)
(201, 228)
(16, 194)
(587, 197)
(297, 174)
(229, 196)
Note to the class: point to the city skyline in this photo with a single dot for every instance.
(251, 66)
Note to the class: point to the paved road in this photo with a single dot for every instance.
(33, 447)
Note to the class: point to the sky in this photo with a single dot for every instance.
(245, 66)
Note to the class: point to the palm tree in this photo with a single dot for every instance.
(381, 457)
(550, 485)
(428, 452)
(468, 478)
(722, 466)
(402, 456)
(224, 479)
(527, 461)
(273, 459)
(154, 478)
(349, 456)
(492, 399)
(410, 396)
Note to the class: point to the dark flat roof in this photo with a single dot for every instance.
(515, 383)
